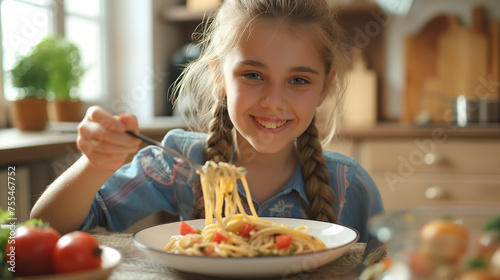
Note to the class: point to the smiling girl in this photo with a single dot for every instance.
(267, 69)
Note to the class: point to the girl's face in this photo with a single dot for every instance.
(274, 79)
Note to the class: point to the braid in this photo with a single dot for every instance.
(315, 175)
(219, 142)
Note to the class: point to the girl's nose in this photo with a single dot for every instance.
(274, 98)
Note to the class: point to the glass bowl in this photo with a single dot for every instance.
(401, 229)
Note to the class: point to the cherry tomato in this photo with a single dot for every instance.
(443, 240)
(186, 229)
(76, 251)
(282, 241)
(219, 237)
(32, 250)
(245, 232)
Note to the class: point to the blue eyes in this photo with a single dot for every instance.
(298, 81)
(294, 81)
(253, 76)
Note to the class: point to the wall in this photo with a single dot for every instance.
(130, 57)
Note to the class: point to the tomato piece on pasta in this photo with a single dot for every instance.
(186, 229)
(282, 241)
(245, 232)
(219, 237)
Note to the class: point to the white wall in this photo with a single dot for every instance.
(131, 58)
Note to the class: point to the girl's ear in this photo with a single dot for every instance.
(215, 69)
(326, 87)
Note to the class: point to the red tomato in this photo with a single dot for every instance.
(76, 251)
(186, 229)
(282, 241)
(245, 232)
(219, 237)
(32, 249)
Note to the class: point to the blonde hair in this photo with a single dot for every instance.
(200, 86)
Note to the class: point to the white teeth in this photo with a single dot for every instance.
(270, 124)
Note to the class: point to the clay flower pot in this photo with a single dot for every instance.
(29, 114)
(65, 110)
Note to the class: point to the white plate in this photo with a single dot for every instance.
(337, 238)
(111, 258)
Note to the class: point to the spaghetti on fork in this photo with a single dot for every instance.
(234, 232)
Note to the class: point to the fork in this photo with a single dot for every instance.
(148, 140)
(374, 251)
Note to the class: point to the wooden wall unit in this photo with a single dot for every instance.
(415, 166)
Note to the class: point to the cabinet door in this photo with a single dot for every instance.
(435, 189)
(406, 157)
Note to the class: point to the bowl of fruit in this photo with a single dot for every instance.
(440, 242)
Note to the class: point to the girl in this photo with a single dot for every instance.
(266, 67)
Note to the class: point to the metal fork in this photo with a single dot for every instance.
(148, 140)
(374, 251)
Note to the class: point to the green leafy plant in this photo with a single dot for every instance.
(30, 77)
(53, 66)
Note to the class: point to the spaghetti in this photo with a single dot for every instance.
(236, 233)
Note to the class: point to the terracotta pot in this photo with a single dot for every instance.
(65, 110)
(29, 114)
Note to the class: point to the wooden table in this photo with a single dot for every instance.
(137, 265)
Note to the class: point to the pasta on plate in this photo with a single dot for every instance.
(234, 232)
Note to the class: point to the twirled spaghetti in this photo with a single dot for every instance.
(236, 233)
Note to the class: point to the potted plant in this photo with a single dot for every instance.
(29, 109)
(63, 64)
(52, 70)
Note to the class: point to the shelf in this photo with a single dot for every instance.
(60, 139)
(397, 130)
(182, 14)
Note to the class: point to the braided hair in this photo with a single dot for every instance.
(315, 176)
(219, 142)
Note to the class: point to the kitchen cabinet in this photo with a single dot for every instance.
(428, 165)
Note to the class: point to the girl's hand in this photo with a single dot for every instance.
(102, 138)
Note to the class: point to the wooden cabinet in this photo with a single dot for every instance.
(422, 167)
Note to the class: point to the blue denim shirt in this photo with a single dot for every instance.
(156, 180)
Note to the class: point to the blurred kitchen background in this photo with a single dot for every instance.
(421, 114)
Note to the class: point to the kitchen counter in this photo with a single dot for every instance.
(137, 265)
(60, 138)
(391, 130)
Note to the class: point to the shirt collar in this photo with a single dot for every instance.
(294, 183)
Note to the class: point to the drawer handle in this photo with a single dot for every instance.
(433, 159)
(436, 192)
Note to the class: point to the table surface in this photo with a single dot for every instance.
(137, 265)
